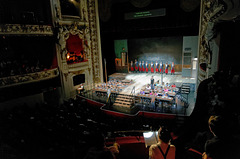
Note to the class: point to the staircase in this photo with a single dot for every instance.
(124, 103)
(185, 89)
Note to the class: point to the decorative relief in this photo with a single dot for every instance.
(28, 78)
(213, 11)
(73, 29)
(78, 66)
(26, 29)
(93, 39)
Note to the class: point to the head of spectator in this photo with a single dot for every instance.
(164, 135)
(223, 145)
(98, 150)
(218, 126)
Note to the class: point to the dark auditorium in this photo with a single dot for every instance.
(119, 79)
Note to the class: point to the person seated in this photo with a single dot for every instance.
(164, 94)
(165, 89)
(99, 150)
(148, 87)
(163, 149)
(142, 92)
(223, 145)
(151, 92)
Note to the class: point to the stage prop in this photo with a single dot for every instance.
(125, 104)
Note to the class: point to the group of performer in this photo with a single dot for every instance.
(154, 68)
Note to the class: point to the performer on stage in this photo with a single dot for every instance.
(136, 65)
(156, 66)
(132, 67)
(173, 86)
(140, 67)
(166, 68)
(109, 95)
(152, 83)
(143, 66)
(152, 67)
(146, 67)
(161, 67)
(172, 68)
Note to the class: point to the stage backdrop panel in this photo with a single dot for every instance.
(118, 45)
(165, 49)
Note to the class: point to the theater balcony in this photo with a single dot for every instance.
(28, 78)
(26, 29)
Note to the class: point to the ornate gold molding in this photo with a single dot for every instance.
(20, 29)
(212, 12)
(28, 78)
(75, 29)
(93, 38)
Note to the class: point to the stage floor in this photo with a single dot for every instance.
(141, 79)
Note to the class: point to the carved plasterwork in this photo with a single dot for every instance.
(28, 78)
(16, 29)
(212, 13)
(85, 26)
(74, 29)
(94, 40)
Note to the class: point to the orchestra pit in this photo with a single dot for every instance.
(119, 79)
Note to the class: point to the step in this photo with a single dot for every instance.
(123, 96)
(121, 105)
(123, 99)
(185, 92)
(128, 103)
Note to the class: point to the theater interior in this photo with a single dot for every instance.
(68, 73)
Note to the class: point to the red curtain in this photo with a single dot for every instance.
(74, 44)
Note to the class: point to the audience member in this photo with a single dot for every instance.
(99, 149)
(223, 145)
(163, 149)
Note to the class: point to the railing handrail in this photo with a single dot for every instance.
(132, 95)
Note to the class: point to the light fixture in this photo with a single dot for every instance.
(68, 56)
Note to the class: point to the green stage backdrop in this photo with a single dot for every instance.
(118, 45)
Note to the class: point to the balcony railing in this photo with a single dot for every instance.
(20, 29)
(28, 78)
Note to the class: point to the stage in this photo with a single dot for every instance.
(134, 82)
(141, 79)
